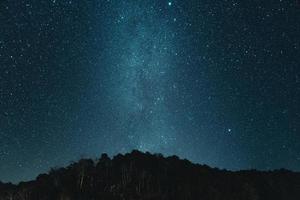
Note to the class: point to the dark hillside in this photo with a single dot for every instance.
(141, 176)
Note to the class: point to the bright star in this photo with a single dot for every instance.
(170, 3)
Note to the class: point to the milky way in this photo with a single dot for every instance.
(144, 51)
(216, 82)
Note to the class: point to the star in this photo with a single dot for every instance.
(144, 76)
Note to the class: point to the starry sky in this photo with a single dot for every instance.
(216, 82)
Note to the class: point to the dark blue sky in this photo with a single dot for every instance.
(217, 82)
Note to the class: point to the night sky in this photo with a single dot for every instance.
(216, 82)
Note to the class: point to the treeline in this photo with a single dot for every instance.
(145, 176)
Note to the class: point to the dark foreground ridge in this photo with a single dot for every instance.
(141, 176)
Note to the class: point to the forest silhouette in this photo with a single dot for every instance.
(146, 176)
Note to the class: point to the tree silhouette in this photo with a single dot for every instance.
(145, 176)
